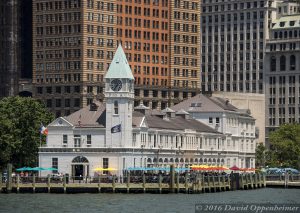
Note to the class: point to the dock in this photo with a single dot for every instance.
(135, 184)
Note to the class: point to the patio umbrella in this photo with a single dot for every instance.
(51, 169)
(105, 169)
(234, 168)
(23, 169)
(37, 169)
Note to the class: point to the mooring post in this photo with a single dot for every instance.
(177, 181)
(172, 179)
(114, 183)
(9, 178)
(128, 181)
(33, 183)
(144, 183)
(48, 183)
(160, 183)
(64, 183)
(186, 182)
(1, 182)
(18, 182)
(214, 183)
(99, 181)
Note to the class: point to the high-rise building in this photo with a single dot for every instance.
(282, 76)
(234, 34)
(74, 42)
(15, 45)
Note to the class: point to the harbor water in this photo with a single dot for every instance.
(152, 203)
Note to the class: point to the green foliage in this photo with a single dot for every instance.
(285, 146)
(20, 121)
(260, 155)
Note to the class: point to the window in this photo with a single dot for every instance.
(77, 140)
(89, 140)
(292, 62)
(54, 164)
(217, 120)
(282, 63)
(116, 108)
(210, 120)
(273, 63)
(105, 165)
(65, 140)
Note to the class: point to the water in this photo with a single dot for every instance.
(168, 203)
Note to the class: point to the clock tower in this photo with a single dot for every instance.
(119, 95)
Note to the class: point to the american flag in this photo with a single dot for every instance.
(116, 129)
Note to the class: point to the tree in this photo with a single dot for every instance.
(260, 155)
(20, 121)
(285, 145)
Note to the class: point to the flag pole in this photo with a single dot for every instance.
(40, 140)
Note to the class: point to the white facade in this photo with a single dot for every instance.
(83, 141)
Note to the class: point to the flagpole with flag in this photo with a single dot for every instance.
(43, 131)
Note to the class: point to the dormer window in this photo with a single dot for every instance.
(292, 23)
(281, 24)
(116, 108)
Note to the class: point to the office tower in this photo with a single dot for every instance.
(234, 35)
(282, 73)
(74, 42)
(15, 45)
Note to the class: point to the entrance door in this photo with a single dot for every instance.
(79, 172)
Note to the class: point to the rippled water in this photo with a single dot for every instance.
(139, 202)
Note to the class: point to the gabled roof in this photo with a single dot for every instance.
(119, 67)
(87, 118)
(202, 103)
(178, 123)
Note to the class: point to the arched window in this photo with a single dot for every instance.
(273, 63)
(116, 108)
(292, 62)
(295, 33)
(282, 63)
(80, 159)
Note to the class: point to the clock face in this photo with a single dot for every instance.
(116, 85)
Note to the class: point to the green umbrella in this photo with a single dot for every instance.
(51, 169)
(37, 169)
(24, 169)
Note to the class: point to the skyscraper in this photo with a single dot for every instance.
(282, 73)
(234, 36)
(15, 45)
(74, 42)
